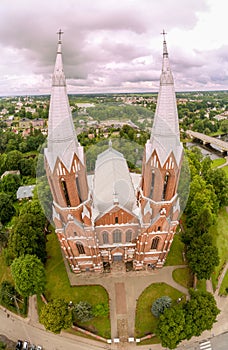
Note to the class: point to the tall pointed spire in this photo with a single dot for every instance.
(62, 139)
(165, 136)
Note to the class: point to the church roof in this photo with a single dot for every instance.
(62, 139)
(112, 182)
(165, 135)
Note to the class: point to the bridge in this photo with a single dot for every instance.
(222, 145)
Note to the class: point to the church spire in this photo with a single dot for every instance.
(62, 139)
(165, 136)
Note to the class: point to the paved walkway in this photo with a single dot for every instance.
(124, 290)
(133, 283)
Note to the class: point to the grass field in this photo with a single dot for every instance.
(183, 276)
(219, 233)
(58, 285)
(224, 285)
(226, 170)
(201, 285)
(217, 162)
(145, 322)
(175, 256)
(5, 273)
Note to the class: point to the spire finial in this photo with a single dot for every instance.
(59, 33)
(164, 34)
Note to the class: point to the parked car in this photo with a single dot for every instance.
(25, 345)
(39, 347)
(19, 345)
(32, 347)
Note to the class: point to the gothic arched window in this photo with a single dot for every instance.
(105, 237)
(128, 235)
(78, 189)
(65, 192)
(154, 243)
(152, 186)
(166, 179)
(80, 248)
(117, 236)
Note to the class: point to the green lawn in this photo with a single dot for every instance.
(217, 162)
(201, 285)
(5, 273)
(145, 322)
(219, 232)
(175, 256)
(58, 285)
(183, 276)
(226, 170)
(224, 285)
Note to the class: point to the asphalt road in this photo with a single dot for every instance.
(220, 342)
(15, 328)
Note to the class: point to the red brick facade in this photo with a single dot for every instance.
(139, 231)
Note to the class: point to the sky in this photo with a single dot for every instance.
(111, 45)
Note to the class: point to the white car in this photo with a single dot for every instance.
(25, 345)
(39, 347)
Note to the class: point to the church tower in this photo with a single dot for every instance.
(66, 173)
(160, 176)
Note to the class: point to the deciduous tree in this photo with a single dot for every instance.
(56, 315)
(27, 237)
(29, 275)
(201, 312)
(202, 256)
(171, 327)
(6, 208)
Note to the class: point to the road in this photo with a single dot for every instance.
(218, 342)
(14, 328)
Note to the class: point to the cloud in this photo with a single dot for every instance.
(105, 43)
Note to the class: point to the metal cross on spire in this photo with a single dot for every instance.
(60, 32)
(164, 34)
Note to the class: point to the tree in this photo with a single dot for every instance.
(6, 208)
(202, 256)
(201, 312)
(82, 311)
(160, 305)
(33, 207)
(29, 275)
(9, 184)
(7, 293)
(218, 179)
(171, 327)
(27, 237)
(56, 315)
(13, 160)
(224, 126)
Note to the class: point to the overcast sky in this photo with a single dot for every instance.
(113, 45)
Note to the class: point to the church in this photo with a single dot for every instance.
(114, 215)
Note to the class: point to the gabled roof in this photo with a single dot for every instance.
(112, 182)
(25, 191)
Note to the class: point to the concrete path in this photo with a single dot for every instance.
(221, 279)
(225, 164)
(33, 310)
(133, 283)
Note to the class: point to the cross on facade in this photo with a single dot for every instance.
(59, 34)
(164, 34)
